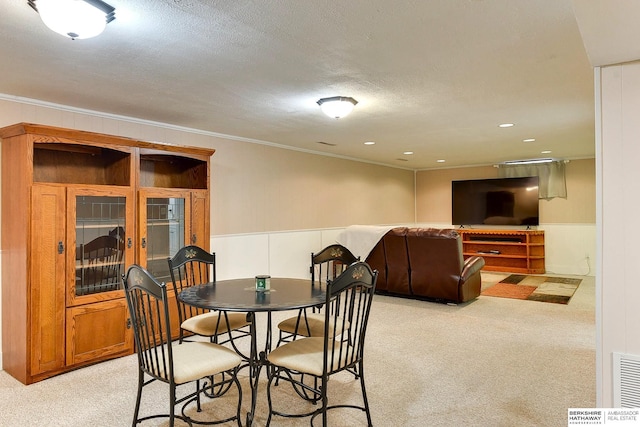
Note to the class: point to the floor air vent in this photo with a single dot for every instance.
(626, 381)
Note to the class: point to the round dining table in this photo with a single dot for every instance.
(241, 295)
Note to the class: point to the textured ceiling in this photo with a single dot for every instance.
(432, 77)
(609, 29)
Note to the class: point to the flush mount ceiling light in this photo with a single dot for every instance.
(337, 106)
(76, 19)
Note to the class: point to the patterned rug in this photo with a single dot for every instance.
(557, 290)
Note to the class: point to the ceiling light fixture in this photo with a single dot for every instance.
(370, 143)
(505, 125)
(76, 19)
(529, 140)
(337, 106)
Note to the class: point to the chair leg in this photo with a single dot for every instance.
(235, 348)
(235, 379)
(325, 399)
(364, 393)
(271, 371)
(138, 398)
(172, 405)
(354, 371)
(215, 389)
(198, 404)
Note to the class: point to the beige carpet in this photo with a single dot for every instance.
(492, 362)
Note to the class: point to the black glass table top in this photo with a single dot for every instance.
(241, 295)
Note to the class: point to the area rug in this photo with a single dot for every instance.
(558, 290)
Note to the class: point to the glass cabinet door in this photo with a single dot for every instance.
(166, 230)
(167, 224)
(101, 224)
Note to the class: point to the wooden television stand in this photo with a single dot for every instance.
(514, 251)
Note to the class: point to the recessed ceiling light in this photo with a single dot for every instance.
(529, 140)
(408, 152)
(546, 152)
(505, 125)
(369, 143)
(440, 161)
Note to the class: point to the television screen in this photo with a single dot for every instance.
(498, 201)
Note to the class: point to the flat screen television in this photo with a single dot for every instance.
(498, 201)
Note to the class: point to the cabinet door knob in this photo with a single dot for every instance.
(60, 247)
(144, 242)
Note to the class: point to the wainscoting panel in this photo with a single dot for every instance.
(284, 254)
(570, 248)
(237, 256)
(290, 253)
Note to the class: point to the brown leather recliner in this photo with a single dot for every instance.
(425, 263)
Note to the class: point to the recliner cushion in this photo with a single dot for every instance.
(377, 261)
(395, 249)
(436, 262)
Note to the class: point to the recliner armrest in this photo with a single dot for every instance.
(472, 265)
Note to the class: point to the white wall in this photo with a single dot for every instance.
(618, 187)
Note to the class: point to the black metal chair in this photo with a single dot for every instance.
(191, 266)
(175, 364)
(326, 265)
(340, 348)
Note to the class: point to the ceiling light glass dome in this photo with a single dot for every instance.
(337, 106)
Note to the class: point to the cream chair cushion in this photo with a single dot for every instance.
(316, 325)
(305, 355)
(195, 360)
(205, 324)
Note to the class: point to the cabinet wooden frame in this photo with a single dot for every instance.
(45, 293)
(46, 328)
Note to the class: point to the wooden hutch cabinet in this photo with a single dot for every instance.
(77, 209)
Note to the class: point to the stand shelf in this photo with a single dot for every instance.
(514, 251)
